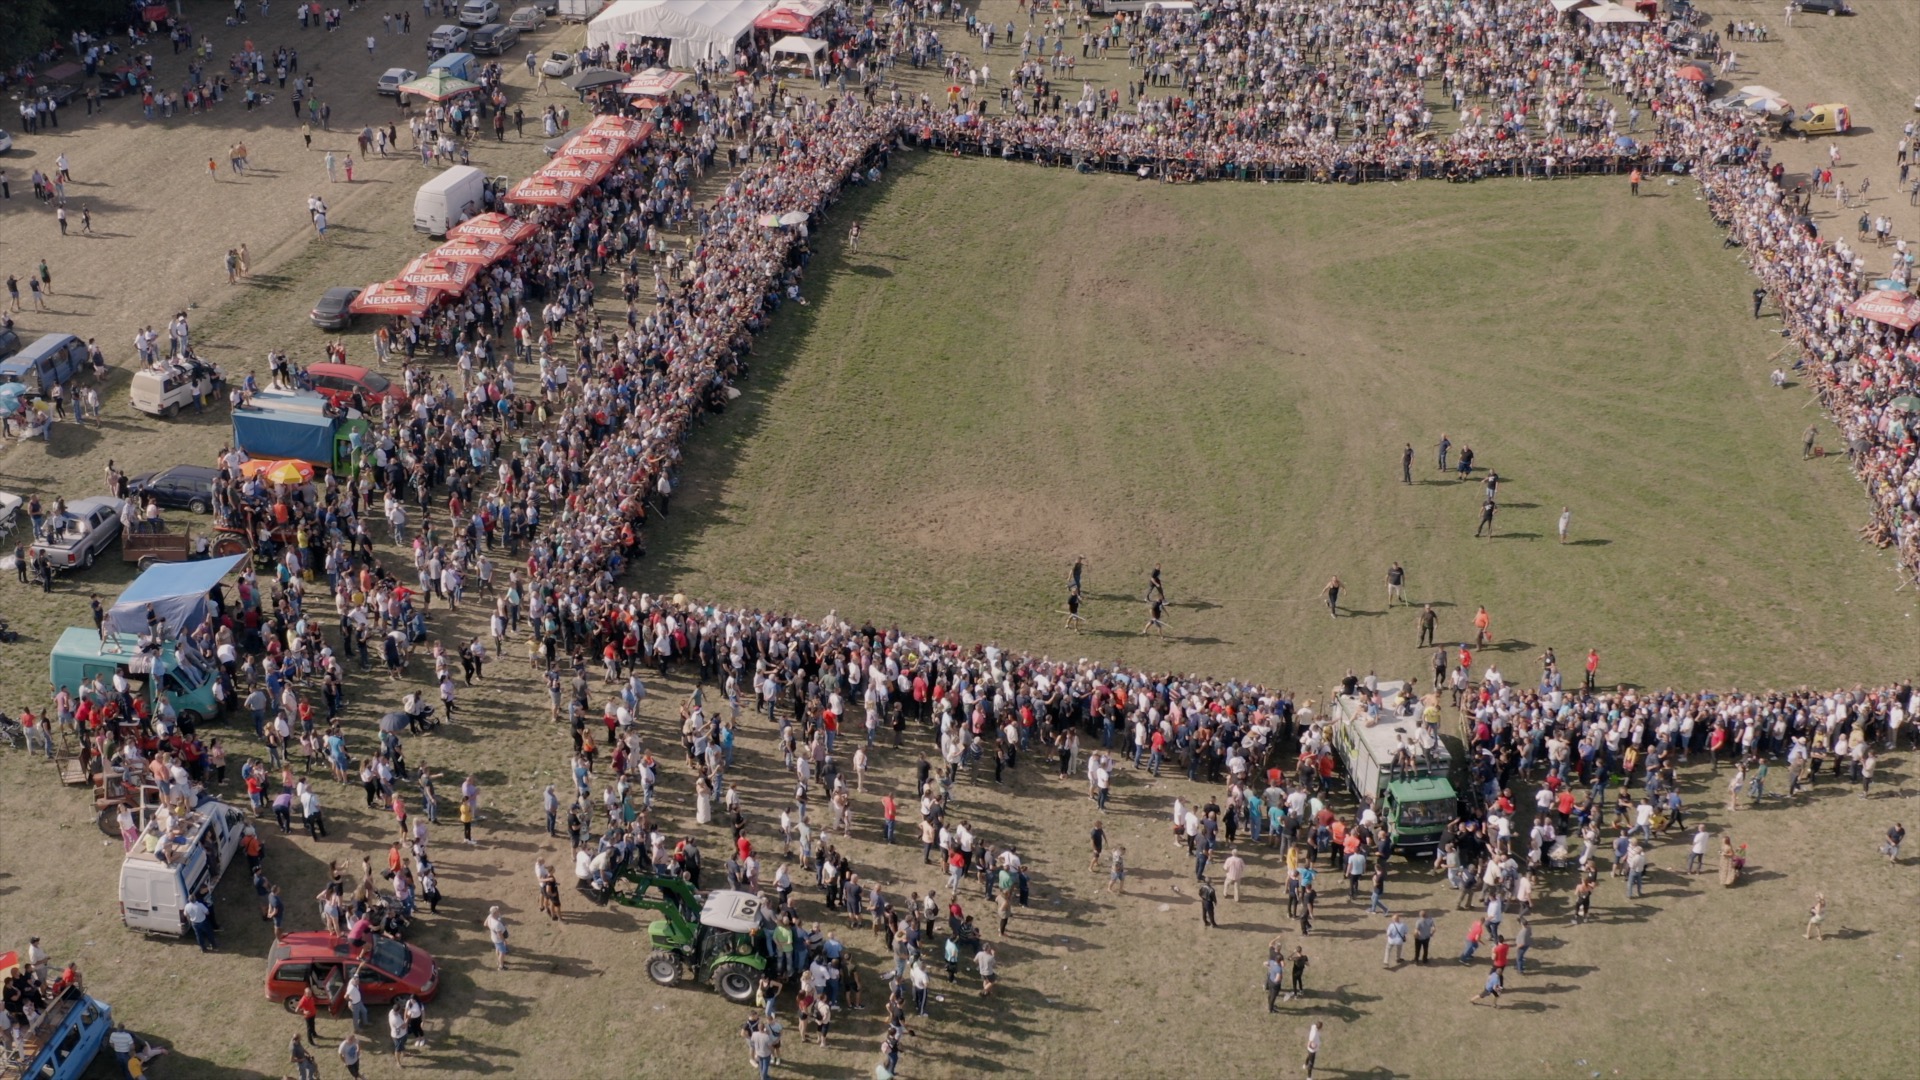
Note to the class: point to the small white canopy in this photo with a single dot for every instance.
(811, 49)
(1567, 5)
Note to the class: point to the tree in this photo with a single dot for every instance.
(23, 29)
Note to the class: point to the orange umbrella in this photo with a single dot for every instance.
(584, 173)
(393, 298)
(1889, 307)
(480, 252)
(278, 472)
(1692, 73)
(544, 191)
(502, 227)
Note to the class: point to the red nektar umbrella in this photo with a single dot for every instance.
(393, 298)
(595, 147)
(544, 191)
(1889, 307)
(586, 173)
(623, 126)
(654, 82)
(501, 227)
(442, 274)
(471, 249)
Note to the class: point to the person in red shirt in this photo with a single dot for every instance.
(888, 814)
(1593, 666)
(1500, 954)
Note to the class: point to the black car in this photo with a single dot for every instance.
(494, 39)
(58, 93)
(181, 487)
(1825, 7)
(331, 312)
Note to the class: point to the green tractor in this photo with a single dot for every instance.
(721, 947)
(676, 896)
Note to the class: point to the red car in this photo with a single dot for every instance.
(339, 382)
(319, 960)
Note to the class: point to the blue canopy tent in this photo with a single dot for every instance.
(177, 591)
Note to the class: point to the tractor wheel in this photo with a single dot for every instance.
(229, 545)
(736, 983)
(663, 967)
(109, 820)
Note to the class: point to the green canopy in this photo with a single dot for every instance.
(1907, 401)
(438, 85)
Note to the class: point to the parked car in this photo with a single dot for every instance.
(558, 65)
(494, 39)
(58, 93)
(1825, 7)
(179, 487)
(76, 539)
(330, 312)
(447, 39)
(527, 18)
(314, 959)
(391, 79)
(6, 141)
(339, 382)
(10, 341)
(479, 12)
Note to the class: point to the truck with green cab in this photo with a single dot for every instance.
(1397, 763)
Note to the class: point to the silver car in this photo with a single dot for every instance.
(78, 536)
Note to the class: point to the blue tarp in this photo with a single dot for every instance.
(177, 591)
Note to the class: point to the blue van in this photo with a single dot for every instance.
(51, 361)
(62, 1044)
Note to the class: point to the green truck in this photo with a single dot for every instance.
(1414, 799)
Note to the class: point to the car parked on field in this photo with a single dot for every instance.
(479, 12)
(179, 487)
(494, 39)
(391, 79)
(559, 65)
(339, 382)
(527, 18)
(448, 38)
(330, 311)
(1825, 7)
(6, 141)
(322, 962)
(77, 537)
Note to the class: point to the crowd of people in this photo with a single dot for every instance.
(555, 472)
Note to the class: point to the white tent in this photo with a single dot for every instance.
(1564, 5)
(1612, 13)
(698, 29)
(809, 50)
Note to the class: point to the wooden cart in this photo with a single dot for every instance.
(149, 547)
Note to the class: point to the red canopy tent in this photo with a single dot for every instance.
(1900, 310)
(393, 298)
(477, 250)
(500, 227)
(791, 16)
(437, 273)
(544, 191)
(584, 173)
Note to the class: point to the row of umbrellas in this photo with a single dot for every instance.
(479, 242)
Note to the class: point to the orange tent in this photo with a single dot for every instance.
(584, 173)
(393, 298)
(480, 252)
(501, 227)
(544, 191)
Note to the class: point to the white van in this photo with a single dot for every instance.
(449, 199)
(168, 866)
(168, 388)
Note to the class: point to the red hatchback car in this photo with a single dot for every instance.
(322, 961)
(338, 383)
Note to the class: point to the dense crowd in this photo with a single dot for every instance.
(555, 472)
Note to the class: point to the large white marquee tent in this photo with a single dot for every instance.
(698, 29)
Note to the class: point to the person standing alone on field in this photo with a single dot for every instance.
(1313, 1047)
(1396, 577)
(1332, 592)
(1406, 465)
(1633, 182)
(1445, 445)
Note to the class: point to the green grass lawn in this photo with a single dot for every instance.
(1020, 366)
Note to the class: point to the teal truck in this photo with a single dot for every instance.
(1390, 758)
(300, 426)
(81, 654)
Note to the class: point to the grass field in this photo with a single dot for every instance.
(1221, 379)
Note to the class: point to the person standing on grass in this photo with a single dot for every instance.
(1298, 969)
(1446, 444)
(1490, 989)
(1816, 915)
(1566, 519)
(1486, 519)
(1633, 184)
(1406, 465)
(497, 934)
(1313, 1047)
(1332, 593)
(1396, 580)
(1396, 942)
